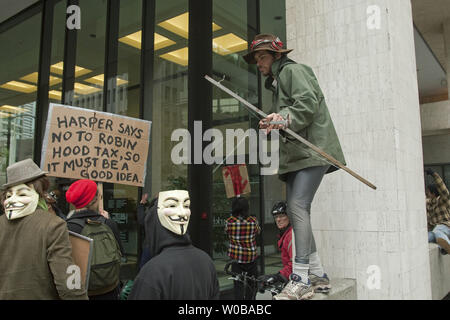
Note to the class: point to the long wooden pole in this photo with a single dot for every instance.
(292, 133)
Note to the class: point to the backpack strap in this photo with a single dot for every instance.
(102, 219)
(77, 221)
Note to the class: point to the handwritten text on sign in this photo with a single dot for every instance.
(87, 144)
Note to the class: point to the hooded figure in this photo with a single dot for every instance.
(36, 256)
(177, 270)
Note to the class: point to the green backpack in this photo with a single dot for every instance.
(106, 255)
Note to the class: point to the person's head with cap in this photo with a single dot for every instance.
(25, 189)
(83, 194)
(265, 49)
(279, 213)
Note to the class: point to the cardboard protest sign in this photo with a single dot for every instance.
(81, 254)
(88, 144)
(236, 180)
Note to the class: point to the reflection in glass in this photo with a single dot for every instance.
(180, 25)
(18, 90)
(134, 40)
(123, 99)
(90, 55)
(273, 20)
(229, 44)
(57, 53)
(179, 56)
(170, 99)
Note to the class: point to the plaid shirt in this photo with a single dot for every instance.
(242, 234)
(438, 209)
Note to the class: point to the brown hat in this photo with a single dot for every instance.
(21, 172)
(265, 42)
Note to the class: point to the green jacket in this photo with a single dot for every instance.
(34, 258)
(296, 93)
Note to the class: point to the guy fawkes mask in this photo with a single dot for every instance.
(173, 210)
(21, 201)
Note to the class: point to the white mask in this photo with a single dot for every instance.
(173, 210)
(21, 201)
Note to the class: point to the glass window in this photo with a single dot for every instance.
(90, 56)
(273, 21)
(87, 92)
(170, 92)
(58, 38)
(129, 59)
(123, 89)
(19, 62)
(230, 42)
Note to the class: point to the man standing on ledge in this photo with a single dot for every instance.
(299, 102)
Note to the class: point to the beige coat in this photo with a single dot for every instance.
(35, 253)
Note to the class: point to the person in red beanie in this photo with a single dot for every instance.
(83, 194)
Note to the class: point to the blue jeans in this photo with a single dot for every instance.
(440, 231)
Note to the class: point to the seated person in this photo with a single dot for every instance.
(438, 213)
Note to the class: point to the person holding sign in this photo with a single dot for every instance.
(36, 256)
(107, 251)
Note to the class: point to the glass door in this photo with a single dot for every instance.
(230, 117)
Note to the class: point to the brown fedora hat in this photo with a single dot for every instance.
(264, 42)
(22, 172)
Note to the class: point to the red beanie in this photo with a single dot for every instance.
(81, 192)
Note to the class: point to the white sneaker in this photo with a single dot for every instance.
(296, 290)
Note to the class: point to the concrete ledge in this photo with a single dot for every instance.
(440, 273)
(341, 289)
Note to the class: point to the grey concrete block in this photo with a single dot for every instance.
(341, 289)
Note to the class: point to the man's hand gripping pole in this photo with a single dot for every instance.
(292, 133)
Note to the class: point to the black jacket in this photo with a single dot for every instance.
(177, 271)
(84, 214)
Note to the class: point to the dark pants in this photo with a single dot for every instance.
(112, 295)
(247, 292)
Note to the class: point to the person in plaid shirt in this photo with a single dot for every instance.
(438, 213)
(242, 230)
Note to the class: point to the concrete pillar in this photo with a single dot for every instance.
(364, 57)
(446, 27)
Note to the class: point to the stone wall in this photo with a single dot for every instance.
(368, 74)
